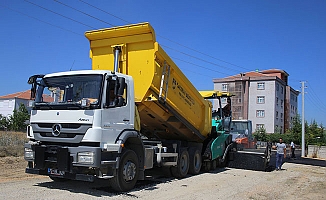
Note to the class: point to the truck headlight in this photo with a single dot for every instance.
(85, 157)
(28, 154)
(29, 132)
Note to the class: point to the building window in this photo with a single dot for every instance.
(260, 126)
(281, 89)
(276, 101)
(224, 87)
(276, 115)
(260, 99)
(6, 103)
(11, 103)
(260, 113)
(277, 87)
(281, 103)
(261, 86)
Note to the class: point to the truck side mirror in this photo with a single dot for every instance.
(33, 81)
(122, 85)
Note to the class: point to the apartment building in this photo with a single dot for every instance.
(263, 97)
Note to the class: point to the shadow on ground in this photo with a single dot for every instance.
(300, 160)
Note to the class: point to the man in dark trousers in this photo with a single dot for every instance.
(280, 153)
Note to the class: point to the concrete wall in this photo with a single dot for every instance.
(316, 152)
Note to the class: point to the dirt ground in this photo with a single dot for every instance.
(13, 169)
(300, 179)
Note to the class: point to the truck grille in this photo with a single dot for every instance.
(68, 133)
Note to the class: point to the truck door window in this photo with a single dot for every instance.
(114, 99)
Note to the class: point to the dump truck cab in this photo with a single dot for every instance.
(81, 134)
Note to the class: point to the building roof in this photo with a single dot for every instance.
(281, 74)
(25, 95)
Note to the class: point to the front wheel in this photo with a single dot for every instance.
(127, 173)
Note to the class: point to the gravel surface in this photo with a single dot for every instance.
(296, 181)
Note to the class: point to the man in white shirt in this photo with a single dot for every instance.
(280, 153)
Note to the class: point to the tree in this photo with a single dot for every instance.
(296, 129)
(4, 122)
(260, 134)
(17, 120)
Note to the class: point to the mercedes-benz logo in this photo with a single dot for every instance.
(56, 128)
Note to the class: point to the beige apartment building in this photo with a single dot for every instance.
(264, 97)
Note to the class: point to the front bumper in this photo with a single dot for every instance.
(76, 163)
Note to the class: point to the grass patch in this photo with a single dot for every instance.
(12, 143)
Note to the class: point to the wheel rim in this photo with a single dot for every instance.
(129, 171)
(184, 163)
(197, 161)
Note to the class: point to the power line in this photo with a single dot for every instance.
(104, 11)
(41, 20)
(129, 22)
(316, 96)
(199, 58)
(84, 13)
(320, 110)
(203, 53)
(83, 35)
(169, 39)
(59, 14)
(200, 66)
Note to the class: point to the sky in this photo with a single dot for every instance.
(206, 39)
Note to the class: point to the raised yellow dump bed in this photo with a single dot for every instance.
(169, 106)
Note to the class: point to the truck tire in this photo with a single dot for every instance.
(181, 170)
(207, 166)
(195, 161)
(214, 165)
(127, 173)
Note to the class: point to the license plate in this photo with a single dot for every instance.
(55, 172)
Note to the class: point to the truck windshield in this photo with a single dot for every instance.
(69, 92)
(239, 127)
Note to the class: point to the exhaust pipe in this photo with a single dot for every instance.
(117, 50)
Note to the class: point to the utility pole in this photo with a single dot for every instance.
(303, 147)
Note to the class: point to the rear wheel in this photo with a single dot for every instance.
(214, 164)
(127, 173)
(207, 166)
(181, 170)
(195, 162)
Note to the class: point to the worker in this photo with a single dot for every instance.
(112, 98)
(280, 153)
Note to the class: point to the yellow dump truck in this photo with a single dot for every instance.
(135, 110)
